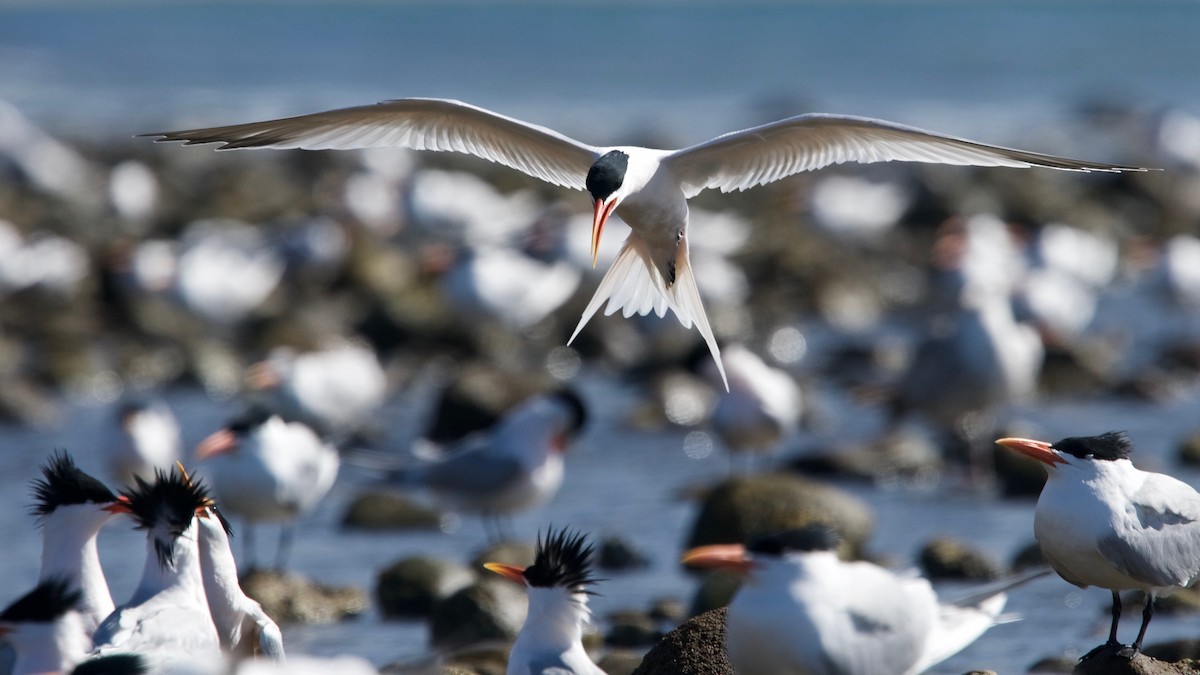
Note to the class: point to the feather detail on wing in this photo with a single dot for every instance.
(634, 286)
(1163, 547)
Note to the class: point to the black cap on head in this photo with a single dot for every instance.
(45, 603)
(113, 664)
(250, 420)
(607, 174)
(62, 483)
(1111, 446)
(562, 559)
(799, 540)
(573, 401)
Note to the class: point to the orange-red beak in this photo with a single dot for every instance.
(719, 556)
(1039, 450)
(121, 505)
(262, 375)
(218, 442)
(512, 572)
(602, 210)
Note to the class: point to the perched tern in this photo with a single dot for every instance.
(266, 469)
(551, 640)
(1102, 522)
(650, 187)
(243, 626)
(146, 438)
(802, 610)
(167, 620)
(516, 465)
(760, 408)
(71, 507)
(45, 628)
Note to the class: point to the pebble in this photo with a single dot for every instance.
(412, 586)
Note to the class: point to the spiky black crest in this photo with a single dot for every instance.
(250, 420)
(607, 174)
(579, 415)
(799, 540)
(562, 559)
(62, 483)
(170, 502)
(1111, 446)
(45, 603)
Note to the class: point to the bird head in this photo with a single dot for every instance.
(166, 508)
(1111, 446)
(562, 559)
(746, 558)
(227, 439)
(64, 486)
(604, 181)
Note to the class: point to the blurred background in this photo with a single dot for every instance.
(134, 273)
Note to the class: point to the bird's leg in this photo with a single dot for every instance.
(1146, 614)
(285, 546)
(1112, 632)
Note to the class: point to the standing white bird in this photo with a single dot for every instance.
(551, 640)
(71, 507)
(516, 465)
(1102, 522)
(244, 628)
(167, 619)
(45, 628)
(146, 438)
(265, 469)
(803, 610)
(651, 187)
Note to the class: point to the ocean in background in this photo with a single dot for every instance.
(685, 71)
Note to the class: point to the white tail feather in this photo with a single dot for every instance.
(634, 285)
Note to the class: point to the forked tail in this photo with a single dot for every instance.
(634, 286)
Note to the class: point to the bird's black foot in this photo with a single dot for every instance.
(1107, 648)
(1128, 652)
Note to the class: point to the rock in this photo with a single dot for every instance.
(717, 590)
(980, 672)
(1029, 556)
(743, 508)
(947, 558)
(518, 553)
(895, 456)
(388, 511)
(1109, 662)
(617, 554)
(1053, 664)
(632, 629)
(490, 609)
(290, 598)
(479, 395)
(412, 586)
(1176, 650)
(1018, 475)
(1182, 601)
(668, 609)
(695, 648)
(485, 659)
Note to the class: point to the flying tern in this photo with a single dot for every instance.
(1102, 522)
(803, 610)
(551, 640)
(649, 187)
(71, 507)
(45, 628)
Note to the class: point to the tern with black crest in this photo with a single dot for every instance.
(650, 188)
(551, 640)
(46, 629)
(1102, 522)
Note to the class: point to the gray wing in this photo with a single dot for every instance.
(471, 473)
(1160, 543)
(417, 124)
(745, 159)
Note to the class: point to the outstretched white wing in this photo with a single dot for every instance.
(417, 124)
(744, 159)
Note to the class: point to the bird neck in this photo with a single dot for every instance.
(555, 619)
(50, 647)
(69, 552)
(218, 571)
(182, 575)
